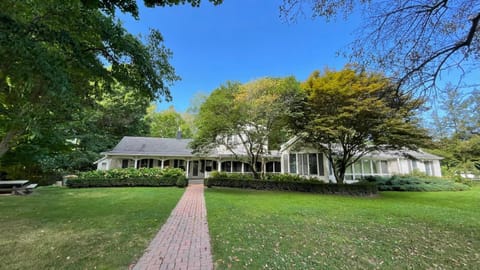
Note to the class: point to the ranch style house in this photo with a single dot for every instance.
(293, 158)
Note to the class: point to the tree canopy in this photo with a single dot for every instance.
(417, 41)
(351, 113)
(244, 117)
(167, 123)
(56, 59)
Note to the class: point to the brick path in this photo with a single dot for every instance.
(183, 243)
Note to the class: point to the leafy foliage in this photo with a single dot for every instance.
(287, 182)
(350, 113)
(130, 177)
(247, 119)
(412, 183)
(73, 81)
(167, 123)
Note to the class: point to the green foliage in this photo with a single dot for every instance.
(130, 177)
(350, 113)
(53, 77)
(289, 183)
(244, 117)
(415, 183)
(165, 124)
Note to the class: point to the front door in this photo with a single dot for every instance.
(196, 169)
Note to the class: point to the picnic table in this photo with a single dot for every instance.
(17, 187)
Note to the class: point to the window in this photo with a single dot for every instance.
(210, 165)
(293, 163)
(321, 169)
(125, 163)
(269, 167)
(226, 166)
(312, 164)
(366, 167)
(375, 166)
(277, 166)
(285, 162)
(384, 166)
(304, 169)
(236, 166)
(146, 163)
(429, 168)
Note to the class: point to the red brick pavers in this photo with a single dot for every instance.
(183, 242)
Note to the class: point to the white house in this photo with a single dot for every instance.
(299, 158)
(294, 158)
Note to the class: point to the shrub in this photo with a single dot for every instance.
(130, 177)
(415, 183)
(285, 182)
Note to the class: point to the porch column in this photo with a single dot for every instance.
(219, 166)
(136, 163)
(188, 168)
(161, 164)
(243, 167)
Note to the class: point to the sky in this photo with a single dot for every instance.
(240, 40)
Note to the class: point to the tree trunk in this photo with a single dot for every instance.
(6, 141)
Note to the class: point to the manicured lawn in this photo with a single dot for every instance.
(281, 230)
(59, 228)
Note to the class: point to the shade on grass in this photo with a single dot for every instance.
(58, 228)
(280, 230)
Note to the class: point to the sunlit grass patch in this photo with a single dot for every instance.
(279, 230)
(59, 228)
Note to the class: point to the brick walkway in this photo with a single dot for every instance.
(183, 242)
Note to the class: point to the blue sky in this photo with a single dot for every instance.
(240, 40)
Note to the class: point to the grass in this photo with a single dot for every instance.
(408, 230)
(59, 228)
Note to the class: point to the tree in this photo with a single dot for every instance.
(242, 118)
(167, 123)
(456, 129)
(351, 113)
(56, 59)
(417, 41)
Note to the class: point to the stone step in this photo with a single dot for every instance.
(195, 181)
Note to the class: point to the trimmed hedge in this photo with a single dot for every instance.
(415, 183)
(284, 182)
(144, 177)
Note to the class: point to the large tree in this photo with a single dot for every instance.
(456, 131)
(350, 113)
(56, 58)
(417, 41)
(167, 123)
(244, 117)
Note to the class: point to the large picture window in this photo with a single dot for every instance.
(293, 163)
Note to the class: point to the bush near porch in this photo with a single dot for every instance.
(415, 183)
(286, 182)
(129, 177)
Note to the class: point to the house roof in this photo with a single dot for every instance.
(152, 146)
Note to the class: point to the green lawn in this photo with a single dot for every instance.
(59, 228)
(280, 230)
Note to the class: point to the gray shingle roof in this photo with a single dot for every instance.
(152, 146)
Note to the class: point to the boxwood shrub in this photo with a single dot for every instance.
(130, 177)
(285, 182)
(415, 183)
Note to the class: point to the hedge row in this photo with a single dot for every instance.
(415, 183)
(146, 177)
(303, 185)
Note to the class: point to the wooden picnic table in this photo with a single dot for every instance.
(17, 187)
